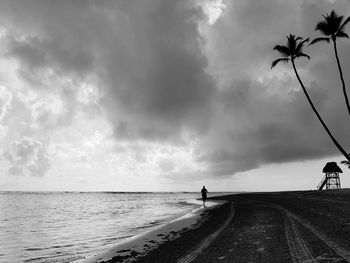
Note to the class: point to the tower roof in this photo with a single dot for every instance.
(332, 167)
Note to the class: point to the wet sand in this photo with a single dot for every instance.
(142, 244)
(304, 226)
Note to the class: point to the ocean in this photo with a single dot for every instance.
(68, 226)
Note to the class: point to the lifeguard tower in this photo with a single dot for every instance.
(331, 179)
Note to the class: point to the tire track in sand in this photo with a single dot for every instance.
(298, 249)
(298, 246)
(189, 257)
(298, 234)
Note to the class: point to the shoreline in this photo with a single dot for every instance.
(298, 226)
(178, 249)
(142, 244)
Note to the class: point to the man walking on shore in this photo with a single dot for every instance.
(204, 192)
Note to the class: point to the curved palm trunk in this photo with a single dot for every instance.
(341, 76)
(340, 148)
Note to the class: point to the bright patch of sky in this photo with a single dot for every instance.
(213, 9)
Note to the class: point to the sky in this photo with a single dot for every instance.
(159, 95)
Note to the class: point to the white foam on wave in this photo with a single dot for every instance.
(148, 241)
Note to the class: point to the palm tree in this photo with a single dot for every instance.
(293, 50)
(346, 162)
(332, 28)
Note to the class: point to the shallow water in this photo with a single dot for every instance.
(63, 227)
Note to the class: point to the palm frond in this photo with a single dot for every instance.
(292, 42)
(292, 50)
(319, 39)
(301, 54)
(344, 24)
(338, 21)
(323, 27)
(333, 17)
(342, 34)
(301, 44)
(333, 14)
(290, 37)
(275, 62)
(285, 51)
(332, 25)
(346, 162)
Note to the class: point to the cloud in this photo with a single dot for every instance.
(157, 79)
(15, 170)
(55, 110)
(5, 102)
(263, 129)
(166, 165)
(27, 156)
(162, 74)
(147, 56)
(37, 53)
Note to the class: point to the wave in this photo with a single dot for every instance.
(151, 239)
(81, 223)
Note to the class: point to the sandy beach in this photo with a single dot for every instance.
(302, 226)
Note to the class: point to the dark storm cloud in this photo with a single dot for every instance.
(159, 78)
(262, 116)
(270, 129)
(147, 56)
(37, 53)
(163, 73)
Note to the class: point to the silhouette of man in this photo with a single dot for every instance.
(204, 192)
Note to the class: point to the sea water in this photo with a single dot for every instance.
(68, 226)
